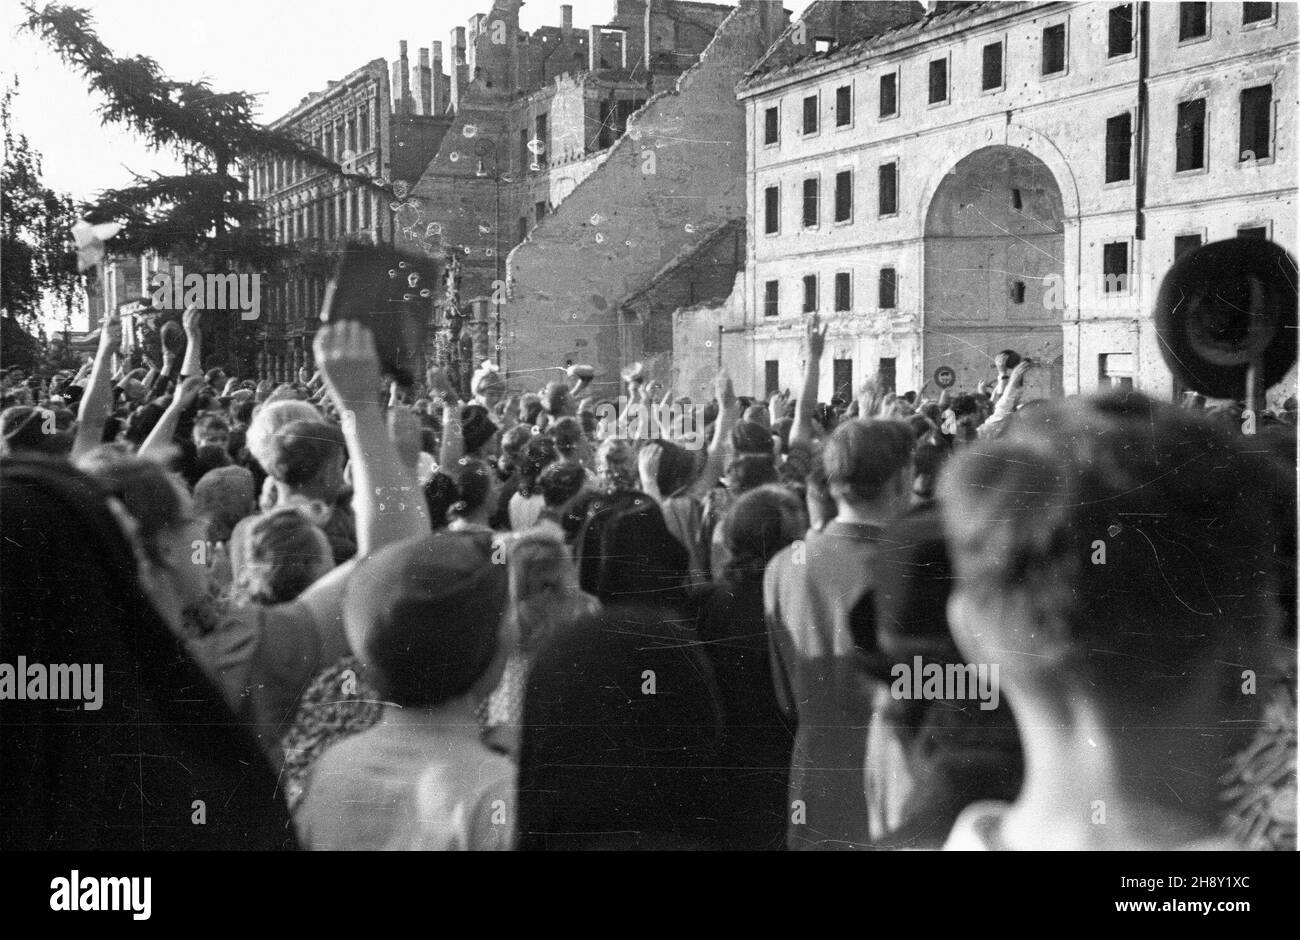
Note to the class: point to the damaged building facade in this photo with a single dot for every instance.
(1005, 175)
(378, 121)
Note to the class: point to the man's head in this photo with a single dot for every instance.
(560, 482)
(211, 430)
(216, 379)
(308, 457)
(869, 464)
(425, 616)
(570, 440)
(1116, 556)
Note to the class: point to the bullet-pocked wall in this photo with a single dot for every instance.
(674, 178)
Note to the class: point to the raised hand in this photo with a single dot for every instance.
(815, 336)
(110, 334)
(349, 364)
(724, 390)
(189, 391)
(190, 320)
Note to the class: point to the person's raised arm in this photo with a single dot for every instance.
(387, 499)
(814, 345)
(648, 461)
(193, 362)
(452, 447)
(720, 447)
(98, 397)
(165, 429)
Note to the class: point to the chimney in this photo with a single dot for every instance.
(566, 19)
(593, 48)
(402, 82)
(438, 92)
(423, 82)
(458, 67)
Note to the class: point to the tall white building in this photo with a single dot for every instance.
(1009, 175)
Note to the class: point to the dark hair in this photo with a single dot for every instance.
(440, 494)
(301, 449)
(472, 487)
(655, 784)
(1187, 512)
(676, 468)
(154, 498)
(242, 412)
(515, 440)
(750, 437)
(560, 482)
(24, 428)
(538, 455)
(556, 399)
(210, 457)
(746, 471)
(760, 524)
(532, 410)
(862, 456)
(928, 461)
(1012, 358)
(568, 435)
(209, 420)
(281, 561)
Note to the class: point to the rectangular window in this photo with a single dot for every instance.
(887, 374)
(1114, 268)
(842, 379)
(772, 210)
(811, 202)
(539, 211)
(844, 106)
(772, 299)
(365, 210)
(1119, 34)
(889, 95)
(1184, 244)
(1119, 147)
(843, 196)
(1192, 21)
(992, 67)
(1054, 49)
(523, 149)
(1115, 370)
(771, 377)
(888, 288)
(938, 81)
(1190, 140)
(810, 293)
(1017, 292)
(843, 291)
(1256, 13)
(771, 125)
(365, 130)
(1256, 137)
(810, 114)
(543, 135)
(889, 189)
(522, 231)
(1253, 231)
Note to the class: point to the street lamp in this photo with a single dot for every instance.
(484, 149)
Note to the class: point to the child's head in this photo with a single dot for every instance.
(287, 553)
(425, 616)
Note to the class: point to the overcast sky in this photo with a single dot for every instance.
(280, 49)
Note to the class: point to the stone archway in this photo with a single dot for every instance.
(994, 269)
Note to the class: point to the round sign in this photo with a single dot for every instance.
(944, 377)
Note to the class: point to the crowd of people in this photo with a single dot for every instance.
(341, 613)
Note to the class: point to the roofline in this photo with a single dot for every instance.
(317, 97)
(886, 43)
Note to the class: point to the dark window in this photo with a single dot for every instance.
(889, 95)
(1120, 33)
(1256, 12)
(843, 105)
(772, 210)
(523, 149)
(938, 81)
(539, 211)
(1017, 292)
(1191, 20)
(811, 200)
(843, 195)
(771, 125)
(809, 293)
(1253, 231)
(523, 228)
(810, 114)
(1054, 49)
(1184, 244)
(992, 66)
(771, 378)
(842, 379)
(1256, 114)
(1017, 202)
(1114, 267)
(887, 374)
(1190, 140)
(843, 291)
(888, 288)
(889, 189)
(1119, 145)
(771, 298)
